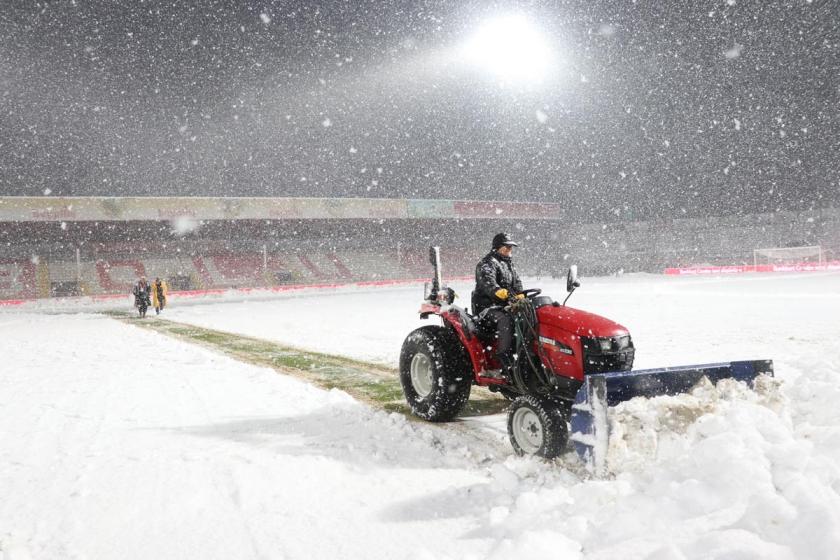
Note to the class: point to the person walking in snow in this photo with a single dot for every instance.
(142, 294)
(159, 291)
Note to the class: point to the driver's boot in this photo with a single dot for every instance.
(507, 362)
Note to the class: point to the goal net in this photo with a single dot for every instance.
(788, 255)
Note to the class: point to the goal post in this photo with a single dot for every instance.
(788, 255)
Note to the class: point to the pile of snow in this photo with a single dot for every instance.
(644, 430)
(722, 473)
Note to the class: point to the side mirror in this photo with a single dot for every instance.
(572, 281)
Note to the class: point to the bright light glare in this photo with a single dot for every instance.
(511, 48)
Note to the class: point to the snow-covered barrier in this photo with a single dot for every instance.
(106, 301)
(602, 391)
(739, 269)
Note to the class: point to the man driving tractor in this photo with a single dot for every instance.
(496, 282)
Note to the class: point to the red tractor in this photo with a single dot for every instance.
(571, 365)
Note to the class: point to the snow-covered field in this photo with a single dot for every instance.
(116, 442)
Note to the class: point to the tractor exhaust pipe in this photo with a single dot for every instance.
(437, 280)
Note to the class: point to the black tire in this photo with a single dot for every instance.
(439, 394)
(537, 427)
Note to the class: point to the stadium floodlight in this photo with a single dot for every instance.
(510, 48)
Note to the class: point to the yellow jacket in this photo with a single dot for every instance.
(164, 289)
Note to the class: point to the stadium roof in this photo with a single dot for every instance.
(103, 209)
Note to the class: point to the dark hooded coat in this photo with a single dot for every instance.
(492, 273)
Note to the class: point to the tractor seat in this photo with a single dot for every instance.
(472, 325)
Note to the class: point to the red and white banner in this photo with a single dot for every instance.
(797, 267)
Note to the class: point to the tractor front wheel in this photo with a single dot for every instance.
(435, 373)
(537, 427)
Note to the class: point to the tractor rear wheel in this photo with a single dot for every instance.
(537, 427)
(435, 373)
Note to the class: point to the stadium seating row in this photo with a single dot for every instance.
(38, 278)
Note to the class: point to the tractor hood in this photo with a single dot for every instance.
(580, 323)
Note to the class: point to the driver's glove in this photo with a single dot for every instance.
(519, 296)
(501, 293)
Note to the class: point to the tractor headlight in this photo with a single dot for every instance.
(607, 345)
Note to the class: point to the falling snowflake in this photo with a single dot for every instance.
(733, 52)
(606, 29)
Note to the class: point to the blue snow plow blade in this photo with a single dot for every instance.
(590, 420)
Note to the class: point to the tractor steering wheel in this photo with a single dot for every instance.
(531, 292)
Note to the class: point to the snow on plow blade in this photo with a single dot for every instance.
(600, 391)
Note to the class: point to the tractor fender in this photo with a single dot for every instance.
(473, 346)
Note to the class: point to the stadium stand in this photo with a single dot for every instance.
(72, 247)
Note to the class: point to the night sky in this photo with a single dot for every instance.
(652, 108)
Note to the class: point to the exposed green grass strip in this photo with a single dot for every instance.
(374, 384)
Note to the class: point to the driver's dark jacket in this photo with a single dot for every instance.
(491, 273)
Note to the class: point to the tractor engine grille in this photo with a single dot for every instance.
(601, 355)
